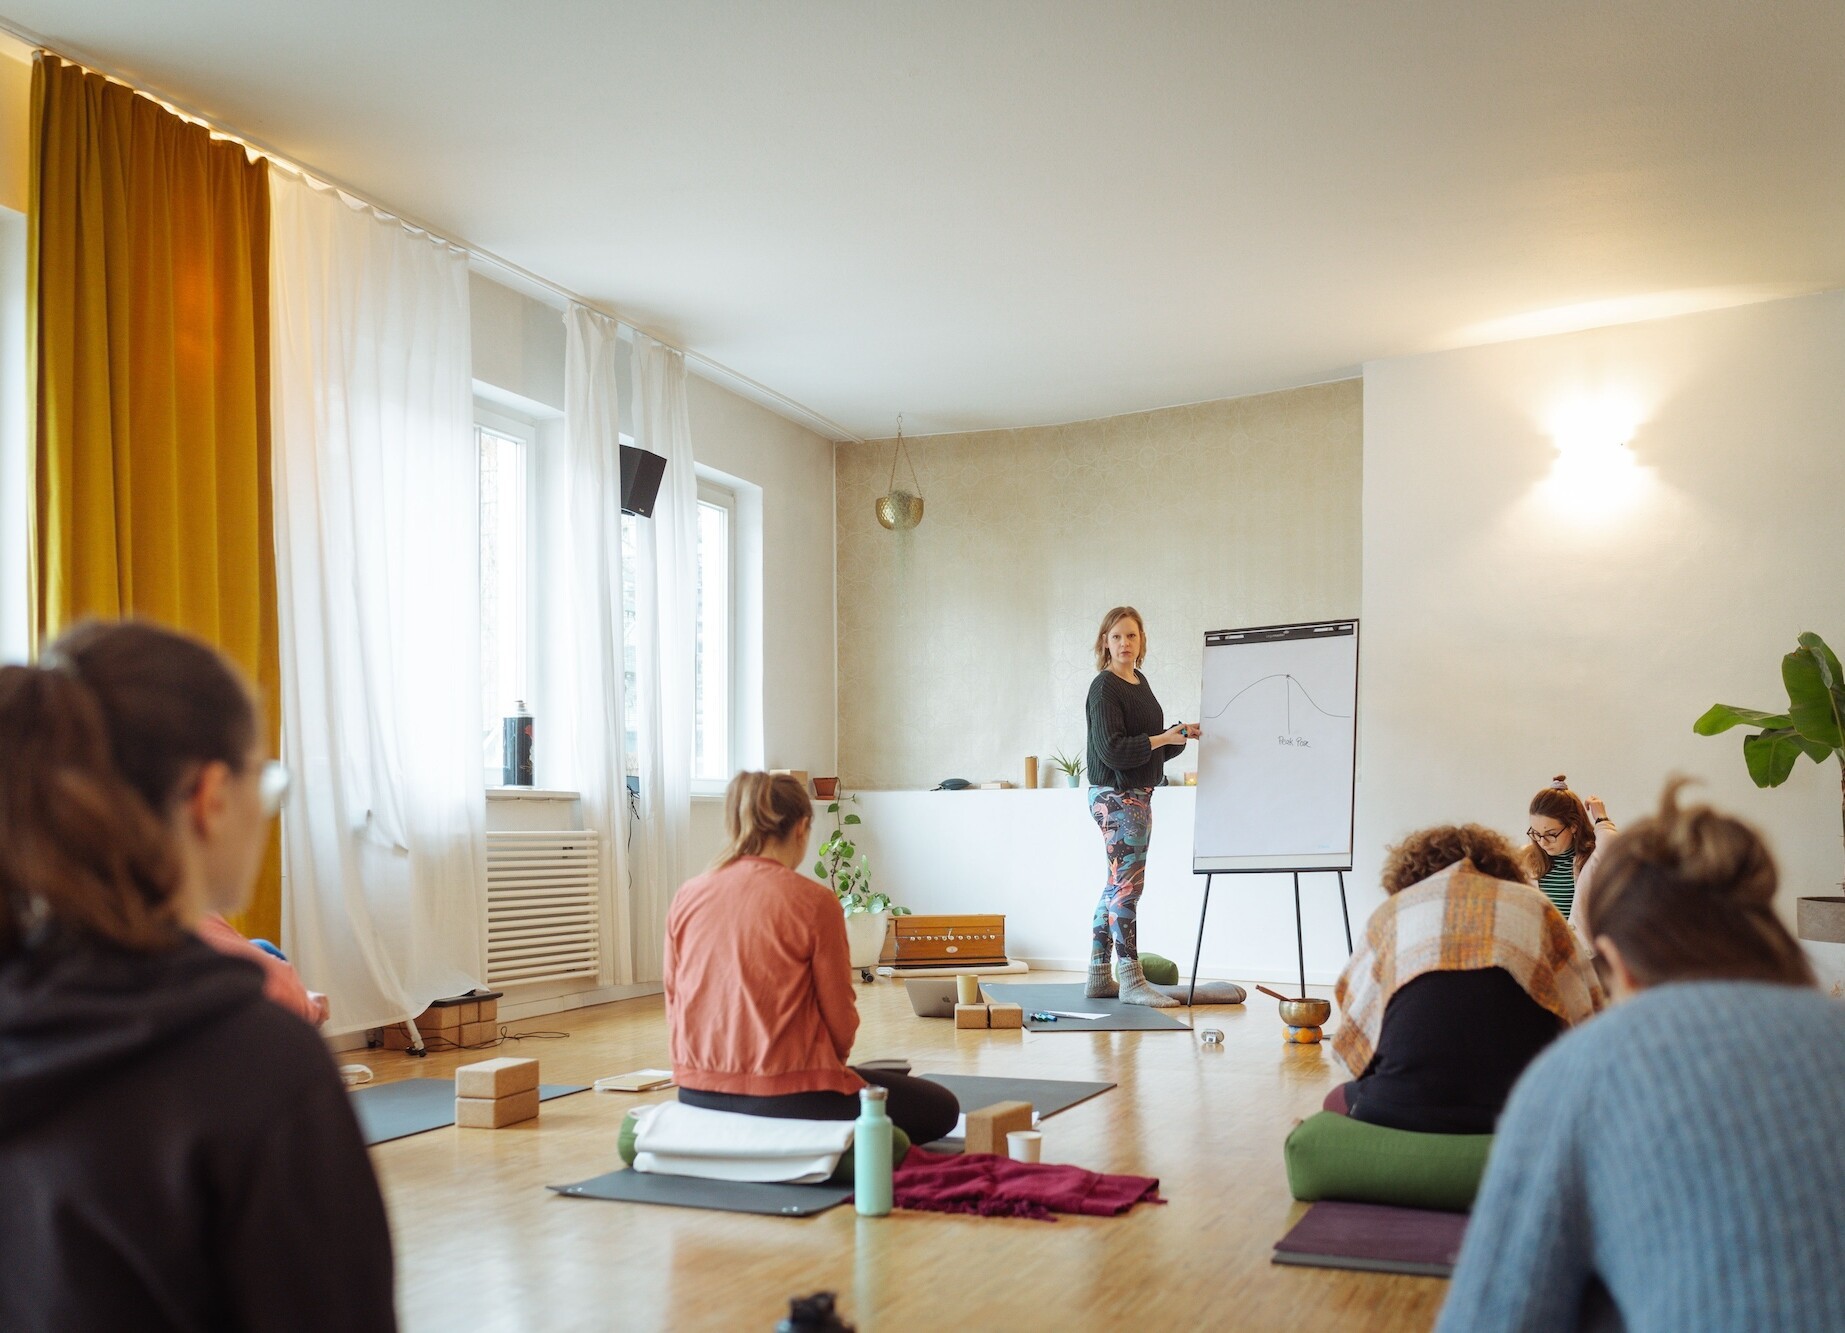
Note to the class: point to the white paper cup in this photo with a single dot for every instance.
(1025, 1145)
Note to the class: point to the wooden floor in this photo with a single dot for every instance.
(481, 1244)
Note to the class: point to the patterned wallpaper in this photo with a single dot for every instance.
(965, 644)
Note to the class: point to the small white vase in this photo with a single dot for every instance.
(865, 933)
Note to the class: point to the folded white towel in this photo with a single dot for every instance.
(677, 1140)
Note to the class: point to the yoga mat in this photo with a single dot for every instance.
(1117, 1017)
(1047, 1096)
(725, 1196)
(409, 1106)
(1375, 1238)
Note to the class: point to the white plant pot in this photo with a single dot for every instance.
(865, 938)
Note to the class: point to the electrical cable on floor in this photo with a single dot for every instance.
(433, 1043)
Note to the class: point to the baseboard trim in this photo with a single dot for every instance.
(1206, 969)
(513, 1009)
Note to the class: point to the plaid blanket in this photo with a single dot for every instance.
(1458, 920)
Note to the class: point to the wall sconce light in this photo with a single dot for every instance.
(1585, 426)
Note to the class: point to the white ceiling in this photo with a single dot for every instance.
(991, 213)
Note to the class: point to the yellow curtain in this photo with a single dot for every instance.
(148, 297)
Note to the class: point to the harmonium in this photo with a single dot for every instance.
(948, 941)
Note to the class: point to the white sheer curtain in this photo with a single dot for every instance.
(666, 607)
(377, 540)
(588, 714)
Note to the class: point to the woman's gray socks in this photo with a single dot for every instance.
(1136, 989)
(1101, 986)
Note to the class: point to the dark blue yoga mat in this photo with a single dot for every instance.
(409, 1106)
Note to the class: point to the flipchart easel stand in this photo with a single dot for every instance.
(1300, 946)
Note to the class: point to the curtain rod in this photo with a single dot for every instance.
(717, 369)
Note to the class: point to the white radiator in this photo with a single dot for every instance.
(543, 920)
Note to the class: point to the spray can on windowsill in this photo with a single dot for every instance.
(516, 770)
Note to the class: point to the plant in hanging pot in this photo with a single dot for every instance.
(1813, 725)
(1071, 768)
(847, 871)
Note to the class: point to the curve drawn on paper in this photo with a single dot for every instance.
(1293, 684)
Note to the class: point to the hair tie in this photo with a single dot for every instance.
(1560, 783)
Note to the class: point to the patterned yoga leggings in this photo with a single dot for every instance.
(1125, 816)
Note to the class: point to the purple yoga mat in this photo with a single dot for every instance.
(1375, 1238)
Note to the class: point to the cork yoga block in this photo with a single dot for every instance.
(987, 1128)
(1005, 1016)
(490, 1079)
(475, 1034)
(496, 1112)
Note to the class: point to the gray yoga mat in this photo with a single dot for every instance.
(1047, 1096)
(409, 1106)
(726, 1196)
(1375, 1238)
(1069, 995)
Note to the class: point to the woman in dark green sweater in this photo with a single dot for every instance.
(1129, 745)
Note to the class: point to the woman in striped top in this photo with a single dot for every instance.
(1564, 832)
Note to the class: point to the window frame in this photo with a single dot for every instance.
(495, 418)
(715, 491)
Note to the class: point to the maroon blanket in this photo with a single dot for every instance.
(994, 1186)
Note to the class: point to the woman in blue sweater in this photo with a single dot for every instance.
(1129, 745)
(1677, 1162)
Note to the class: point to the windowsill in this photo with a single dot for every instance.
(531, 794)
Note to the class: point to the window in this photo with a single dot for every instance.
(714, 748)
(506, 568)
(715, 688)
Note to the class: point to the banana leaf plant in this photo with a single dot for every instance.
(847, 870)
(1813, 725)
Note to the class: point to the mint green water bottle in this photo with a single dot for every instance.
(871, 1154)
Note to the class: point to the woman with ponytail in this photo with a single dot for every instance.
(172, 1145)
(1677, 1162)
(759, 1000)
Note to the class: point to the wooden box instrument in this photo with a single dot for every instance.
(946, 941)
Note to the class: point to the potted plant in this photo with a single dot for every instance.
(1813, 725)
(1072, 769)
(847, 872)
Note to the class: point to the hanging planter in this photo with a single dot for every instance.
(900, 510)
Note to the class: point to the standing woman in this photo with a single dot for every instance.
(1129, 746)
(176, 1151)
(1564, 833)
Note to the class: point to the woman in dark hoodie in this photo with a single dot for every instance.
(175, 1151)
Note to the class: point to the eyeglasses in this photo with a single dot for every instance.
(272, 786)
(1546, 838)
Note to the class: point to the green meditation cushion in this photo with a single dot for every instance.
(1160, 971)
(842, 1174)
(1332, 1156)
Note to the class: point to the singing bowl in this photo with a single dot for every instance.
(1306, 1013)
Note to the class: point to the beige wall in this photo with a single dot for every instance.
(965, 644)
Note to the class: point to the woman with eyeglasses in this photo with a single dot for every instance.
(1565, 832)
(173, 1146)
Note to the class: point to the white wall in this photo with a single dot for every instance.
(1037, 857)
(1519, 622)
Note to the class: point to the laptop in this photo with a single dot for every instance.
(932, 997)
